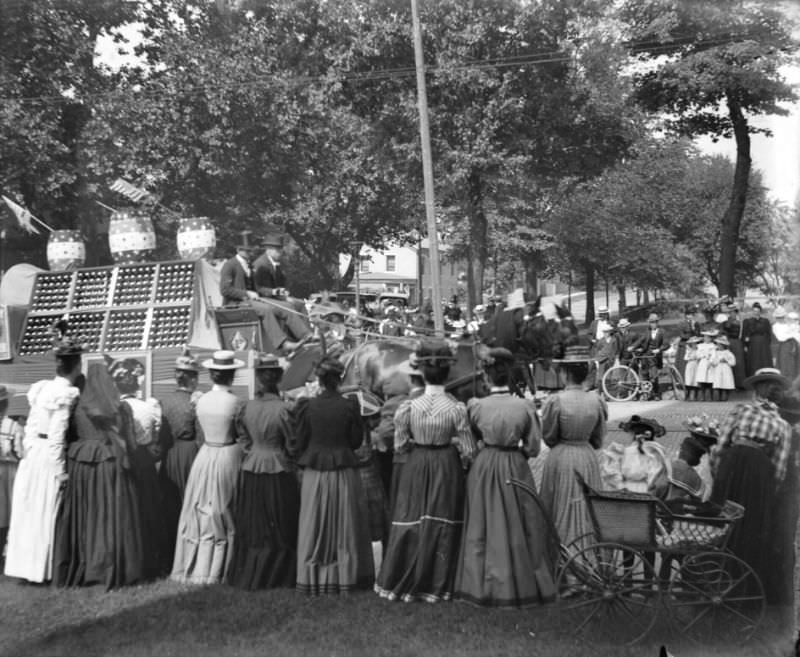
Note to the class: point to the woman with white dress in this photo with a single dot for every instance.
(42, 471)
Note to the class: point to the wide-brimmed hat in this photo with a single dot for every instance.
(186, 362)
(766, 374)
(653, 317)
(711, 333)
(694, 339)
(637, 424)
(574, 354)
(723, 340)
(623, 323)
(779, 312)
(602, 310)
(274, 240)
(267, 362)
(704, 428)
(223, 360)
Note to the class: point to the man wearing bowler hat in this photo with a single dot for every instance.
(270, 284)
(237, 286)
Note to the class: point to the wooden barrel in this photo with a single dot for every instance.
(65, 250)
(196, 238)
(131, 237)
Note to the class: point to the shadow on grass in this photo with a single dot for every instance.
(169, 619)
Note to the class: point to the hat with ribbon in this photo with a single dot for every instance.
(186, 362)
(766, 374)
(636, 425)
(267, 362)
(223, 360)
(704, 428)
(623, 323)
(602, 310)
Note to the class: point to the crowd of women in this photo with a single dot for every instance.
(206, 488)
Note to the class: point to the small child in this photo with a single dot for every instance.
(722, 370)
(706, 351)
(690, 373)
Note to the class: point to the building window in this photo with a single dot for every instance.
(391, 263)
(365, 265)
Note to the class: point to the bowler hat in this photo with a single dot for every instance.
(766, 374)
(267, 362)
(574, 354)
(223, 360)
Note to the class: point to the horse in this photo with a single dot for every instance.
(534, 340)
(378, 366)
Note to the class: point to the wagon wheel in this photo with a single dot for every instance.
(565, 552)
(620, 383)
(608, 593)
(674, 388)
(716, 596)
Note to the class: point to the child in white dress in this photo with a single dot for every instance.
(706, 352)
(690, 372)
(722, 374)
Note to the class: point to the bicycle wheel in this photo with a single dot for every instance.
(675, 387)
(620, 383)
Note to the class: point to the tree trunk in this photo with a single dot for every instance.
(732, 219)
(478, 232)
(531, 278)
(589, 315)
(645, 296)
(621, 302)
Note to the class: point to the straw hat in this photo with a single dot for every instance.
(602, 310)
(652, 317)
(723, 340)
(186, 362)
(623, 323)
(223, 360)
(766, 374)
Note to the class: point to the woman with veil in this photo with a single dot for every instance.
(98, 536)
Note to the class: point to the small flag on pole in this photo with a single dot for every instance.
(24, 217)
(131, 191)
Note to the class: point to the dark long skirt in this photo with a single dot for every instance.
(508, 552)
(266, 518)
(376, 504)
(739, 369)
(787, 358)
(746, 475)
(425, 536)
(784, 521)
(173, 475)
(98, 534)
(157, 554)
(178, 463)
(758, 354)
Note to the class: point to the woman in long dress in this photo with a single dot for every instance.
(508, 551)
(206, 530)
(43, 469)
(144, 454)
(732, 328)
(749, 464)
(787, 349)
(268, 498)
(427, 518)
(573, 426)
(98, 536)
(757, 338)
(11, 434)
(334, 552)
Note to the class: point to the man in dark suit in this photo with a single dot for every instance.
(652, 345)
(237, 286)
(270, 284)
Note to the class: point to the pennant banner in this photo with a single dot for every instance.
(24, 217)
(136, 194)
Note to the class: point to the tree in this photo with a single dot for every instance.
(714, 65)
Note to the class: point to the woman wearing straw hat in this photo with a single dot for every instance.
(268, 498)
(573, 424)
(334, 552)
(749, 463)
(508, 553)
(204, 549)
(42, 472)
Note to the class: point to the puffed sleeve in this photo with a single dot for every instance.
(302, 427)
(463, 439)
(60, 406)
(551, 409)
(402, 428)
(532, 440)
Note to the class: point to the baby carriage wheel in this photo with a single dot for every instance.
(608, 594)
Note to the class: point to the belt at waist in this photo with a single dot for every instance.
(756, 443)
(445, 446)
(43, 436)
(208, 444)
(503, 448)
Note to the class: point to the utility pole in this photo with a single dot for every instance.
(427, 172)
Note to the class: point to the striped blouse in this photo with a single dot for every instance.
(434, 418)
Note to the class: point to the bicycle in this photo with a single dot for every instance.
(625, 382)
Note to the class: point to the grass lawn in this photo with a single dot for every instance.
(165, 618)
